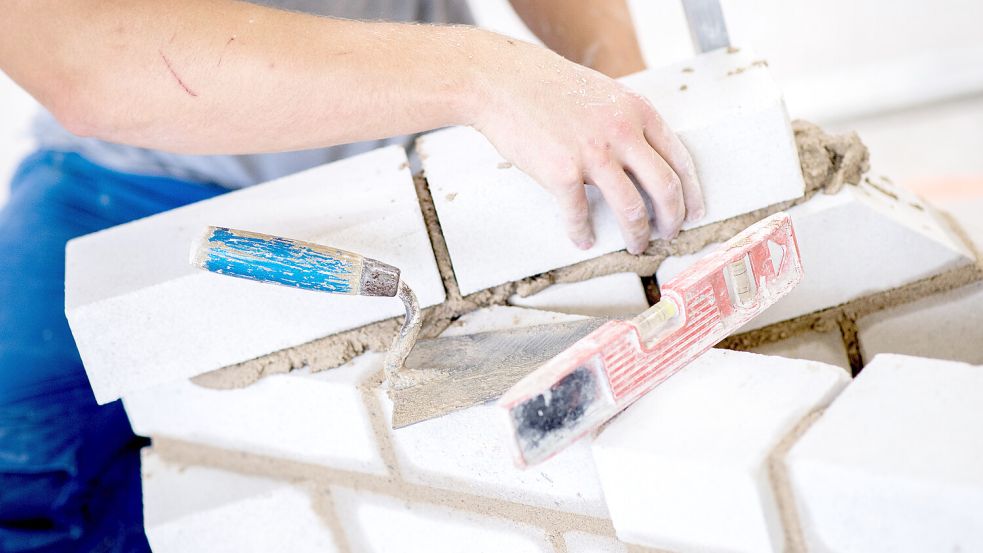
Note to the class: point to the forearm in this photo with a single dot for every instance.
(220, 76)
(596, 33)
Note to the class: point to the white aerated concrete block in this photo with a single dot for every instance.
(944, 326)
(825, 347)
(966, 212)
(467, 450)
(380, 524)
(618, 295)
(862, 240)
(896, 462)
(316, 418)
(142, 315)
(730, 116)
(948, 325)
(581, 542)
(196, 509)
(502, 317)
(685, 468)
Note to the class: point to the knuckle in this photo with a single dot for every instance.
(673, 186)
(667, 185)
(623, 129)
(597, 155)
(566, 175)
(653, 120)
(636, 213)
(674, 208)
(640, 102)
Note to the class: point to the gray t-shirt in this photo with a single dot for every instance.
(246, 170)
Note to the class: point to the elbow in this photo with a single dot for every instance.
(76, 117)
(75, 108)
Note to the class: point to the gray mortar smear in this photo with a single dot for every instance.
(827, 161)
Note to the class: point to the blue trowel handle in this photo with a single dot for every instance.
(305, 265)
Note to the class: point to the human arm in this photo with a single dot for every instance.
(220, 76)
(594, 33)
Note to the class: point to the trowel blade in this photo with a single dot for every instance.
(447, 374)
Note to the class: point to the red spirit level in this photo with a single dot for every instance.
(610, 368)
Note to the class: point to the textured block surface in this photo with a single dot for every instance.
(316, 418)
(580, 542)
(730, 116)
(865, 239)
(142, 315)
(944, 326)
(618, 295)
(966, 213)
(825, 347)
(196, 509)
(896, 462)
(685, 468)
(380, 524)
(467, 450)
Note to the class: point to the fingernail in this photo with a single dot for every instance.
(585, 244)
(637, 248)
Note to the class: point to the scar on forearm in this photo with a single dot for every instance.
(222, 55)
(174, 74)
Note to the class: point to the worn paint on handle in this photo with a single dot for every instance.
(294, 263)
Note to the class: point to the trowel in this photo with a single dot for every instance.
(701, 306)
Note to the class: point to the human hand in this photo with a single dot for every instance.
(566, 125)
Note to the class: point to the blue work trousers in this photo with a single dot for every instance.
(69, 468)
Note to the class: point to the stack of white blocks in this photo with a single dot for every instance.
(947, 325)
(693, 466)
(381, 523)
(142, 315)
(191, 322)
(190, 509)
(893, 466)
(324, 419)
(314, 418)
(896, 463)
(684, 469)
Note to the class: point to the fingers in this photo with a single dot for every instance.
(675, 154)
(662, 185)
(575, 211)
(628, 206)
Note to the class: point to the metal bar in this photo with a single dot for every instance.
(706, 24)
